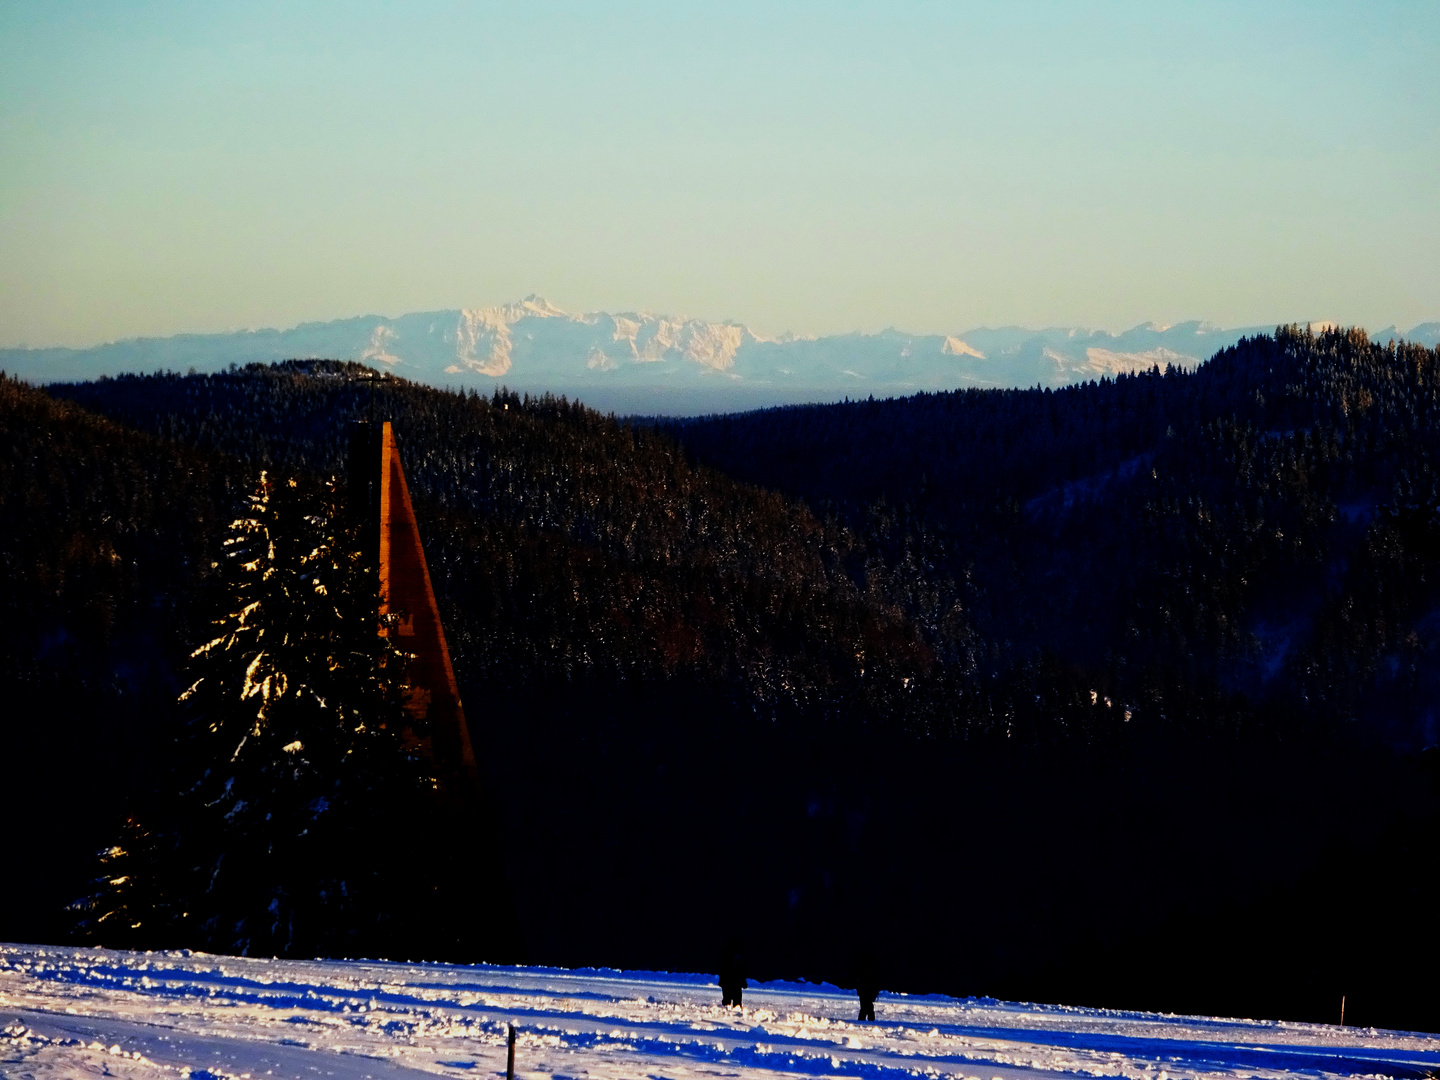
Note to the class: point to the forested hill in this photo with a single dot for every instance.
(653, 656)
(566, 545)
(968, 680)
(1258, 537)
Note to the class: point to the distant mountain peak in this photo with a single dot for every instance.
(644, 361)
(485, 341)
(955, 346)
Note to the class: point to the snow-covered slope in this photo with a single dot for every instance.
(642, 362)
(85, 1012)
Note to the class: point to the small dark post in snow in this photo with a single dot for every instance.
(510, 1062)
(1342, 1010)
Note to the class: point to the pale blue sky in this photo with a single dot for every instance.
(810, 167)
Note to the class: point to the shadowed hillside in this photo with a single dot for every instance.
(1264, 530)
(988, 688)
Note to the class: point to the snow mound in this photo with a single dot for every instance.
(78, 1011)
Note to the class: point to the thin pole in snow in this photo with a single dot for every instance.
(510, 1063)
(1342, 1010)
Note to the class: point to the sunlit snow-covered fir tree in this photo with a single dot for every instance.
(298, 822)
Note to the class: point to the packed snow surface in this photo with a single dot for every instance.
(69, 1012)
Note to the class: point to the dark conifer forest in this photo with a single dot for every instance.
(1123, 694)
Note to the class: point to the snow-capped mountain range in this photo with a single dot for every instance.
(639, 362)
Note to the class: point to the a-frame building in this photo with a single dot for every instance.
(380, 499)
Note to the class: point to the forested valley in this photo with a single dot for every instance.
(1118, 695)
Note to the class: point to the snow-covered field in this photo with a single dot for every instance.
(86, 1012)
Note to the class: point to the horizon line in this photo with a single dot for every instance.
(1204, 325)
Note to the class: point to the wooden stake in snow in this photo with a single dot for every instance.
(1342, 1010)
(510, 1063)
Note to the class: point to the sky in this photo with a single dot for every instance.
(816, 168)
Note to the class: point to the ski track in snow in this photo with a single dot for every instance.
(73, 1012)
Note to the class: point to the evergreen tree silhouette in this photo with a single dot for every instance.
(298, 784)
